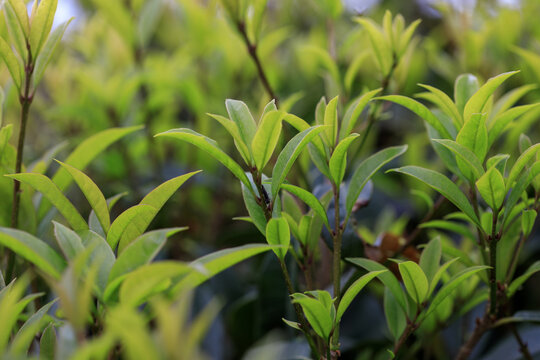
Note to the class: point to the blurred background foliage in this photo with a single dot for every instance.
(167, 63)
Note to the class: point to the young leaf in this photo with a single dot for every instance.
(239, 113)
(380, 45)
(15, 27)
(41, 25)
(444, 186)
(28, 331)
(491, 187)
(331, 121)
(474, 136)
(232, 129)
(19, 9)
(92, 193)
(266, 138)
(101, 255)
(338, 161)
(316, 314)
(48, 50)
(520, 163)
(11, 62)
(34, 250)
(309, 199)
(47, 343)
(515, 285)
(527, 221)
(415, 281)
(211, 147)
(420, 110)
(131, 217)
(278, 233)
(477, 102)
(502, 121)
(353, 113)
(468, 163)
(365, 171)
(430, 258)
(69, 242)
(446, 104)
(464, 87)
(353, 290)
(83, 154)
(395, 317)
(256, 214)
(288, 155)
(50, 191)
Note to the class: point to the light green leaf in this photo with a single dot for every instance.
(366, 170)
(353, 113)
(278, 233)
(353, 290)
(516, 284)
(11, 62)
(232, 129)
(19, 9)
(68, 240)
(415, 281)
(395, 317)
(266, 138)
(214, 263)
(301, 125)
(527, 221)
(101, 256)
(239, 113)
(381, 46)
(474, 136)
(464, 87)
(256, 214)
(15, 25)
(419, 110)
(134, 216)
(118, 16)
(48, 50)
(309, 199)
(477, 102)
(47, 343)
(468, 163)
(501, 121)
(34, 250)
(83, 155)
(444, 186)
(338, 161)
(50, 191)
(31, 327)
(211, 147)
(156, 199)
(92, 193)
(316, 313)
(41, 25)
(491, 187)
(430, 258)
(521, 162)
(446, 104)
(148, 20)
(331, 121)
(288, 155)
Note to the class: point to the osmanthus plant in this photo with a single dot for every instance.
(495, 201)
(268, 200)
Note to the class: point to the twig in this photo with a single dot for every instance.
(523, 348)
(482, 325)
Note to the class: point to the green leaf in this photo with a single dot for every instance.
(430, 258)
(11, 62)
(288, 156)
(491, 187)
(239, 113)
(83, 154)
(232, 129)
(256, 214)
(502, 121)
(520, 316)
(118, 16)
(19, 9)
(387, 278)
(353, 291)
(527, 221)
(266, 138)
(444, 186)
(148, 20)
(214, 263)
(211, 147)
(338, 161)
(474, 136)
(468, 163)
(395, 317)
(317, 315)
(464, 88)
(101, 256)
(331, 121)
(446, 104)
(292, 324)
(366, 170)
(48, 50)
(415, 281)
(68, 240)
(520, 280)
(353, 113)
(309, 199)
(521, 162)
(50, 191)
(47, 343)
(34, 250)
(451, 285)
(92, 193)
(419, 110)
(301, 125)
(15, 25)
(41, 25)
(138, 285)
(134, 216)
(381, 46)
(477, 102)
(156, 199)
(31, 327)
(278, 233)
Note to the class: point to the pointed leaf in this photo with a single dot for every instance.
(11, 62)
(278, 233)
(415, 281)
(446, 104)
(464, 88)
(353, 291)
(41, 25)
(491, 187)
(331, 121)
(68, 240)
(232, 129)
(309, 199)
(239, 113)
(468, 163)
(431, 257)
(473, 135)
(266, 138)
(134, 216)
(338, 161)
(353, 113)
(516, 284)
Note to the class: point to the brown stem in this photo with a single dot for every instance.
(523, 348)
(252, 50)
(493, 239)
(409, 329)
(482, 325)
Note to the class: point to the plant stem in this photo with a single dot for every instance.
(482, 325)
(493, 239)
(336, 270)
(409, 329)
(523, 348)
